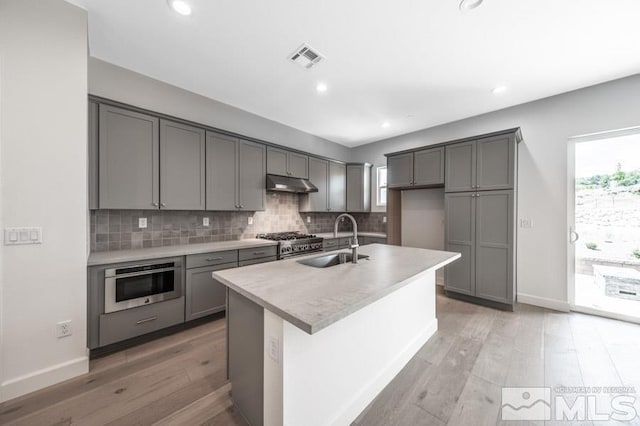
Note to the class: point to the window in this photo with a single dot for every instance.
(382, 186)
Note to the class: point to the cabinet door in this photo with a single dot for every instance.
(222, 172)
(277, 161)
(460, 231)
(460, 172)
(355, 187)
(129, 159)
(94, 137)
(400, 170)
(337, 187)
(494, 246)
(251, 176)
(496, 162)
(204, 294)
(319, 176)
(298, 165)
(182, 167)
(428, 167)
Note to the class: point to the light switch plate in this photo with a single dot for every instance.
(21, 236)
(250, 220)
(308, 219)
(384, 219)
(205, 221)
(142, 222)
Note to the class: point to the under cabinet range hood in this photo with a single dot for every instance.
(290, 184)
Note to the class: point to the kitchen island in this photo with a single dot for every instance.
(314, 346)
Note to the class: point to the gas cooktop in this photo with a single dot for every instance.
(293, 243)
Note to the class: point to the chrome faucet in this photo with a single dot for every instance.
(353, 242)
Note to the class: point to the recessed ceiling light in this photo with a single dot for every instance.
(321, 87)
(386, 124)
(469, 4)
(180, 6)
(499, 89)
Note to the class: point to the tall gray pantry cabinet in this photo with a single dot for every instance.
(480, 189)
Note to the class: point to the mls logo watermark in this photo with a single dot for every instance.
(569, 403)
(526, 403)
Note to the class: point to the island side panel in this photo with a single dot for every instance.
(338, 371)
(245, 340)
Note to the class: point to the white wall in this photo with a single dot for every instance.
(119, 84)
(546, 125)
(43, 168)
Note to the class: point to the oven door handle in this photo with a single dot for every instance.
(147, 272)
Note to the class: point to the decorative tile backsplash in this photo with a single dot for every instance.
(118, 229)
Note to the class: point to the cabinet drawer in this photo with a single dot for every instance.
(123, 325)
(214, 258)
(256, 261)
(258, 252)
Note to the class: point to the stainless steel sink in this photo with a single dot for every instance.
(332, 259)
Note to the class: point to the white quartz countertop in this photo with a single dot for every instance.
(117, 256)
(329, 235)
(314, 298)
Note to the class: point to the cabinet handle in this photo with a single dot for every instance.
(256, 253)
(163, 205)
(154, 204)
(142, 321)
(212, 259)
(241, 206)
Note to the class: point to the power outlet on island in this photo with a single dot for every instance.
(274, 349)
(205, 221)
(526, 223)
(63, 329)
(142, 222)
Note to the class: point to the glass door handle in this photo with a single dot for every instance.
(573, 235)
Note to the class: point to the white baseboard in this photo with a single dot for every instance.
(543, 302)
(384, 377)
(40, 379)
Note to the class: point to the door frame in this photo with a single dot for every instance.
(571, 216)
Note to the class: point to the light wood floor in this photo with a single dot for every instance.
(455, 379)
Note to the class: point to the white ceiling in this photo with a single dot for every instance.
(413, 63)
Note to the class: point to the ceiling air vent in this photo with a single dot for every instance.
(306, 56)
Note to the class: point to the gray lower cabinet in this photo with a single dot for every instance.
(118, 326)
(363, 241)
(204, 294)
(421, 168)
(482, 165)
(480, 225)
(287, 163)
(235, 174)
(359, 187)
(182, 166)
(331, 180)
(128, 159)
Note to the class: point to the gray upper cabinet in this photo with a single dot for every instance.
(222, 172)
(461, 167)
(287, 163)
(128, 159)
(400, 170)
(331, 180)
(428, 167)
(319, 176)
(251, 176)
(496, 162)
(359, 187)
(337, 187)
(182, 166)
(235, 174)
(494, 246)
(460, 236)
(482, 165)
(416, 169)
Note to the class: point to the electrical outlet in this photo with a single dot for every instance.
(308, 219)
(142, 222)
(526, 223)
(250, 220)
(63, 329)
(274, 349)
(205, 221)
(384, 219)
